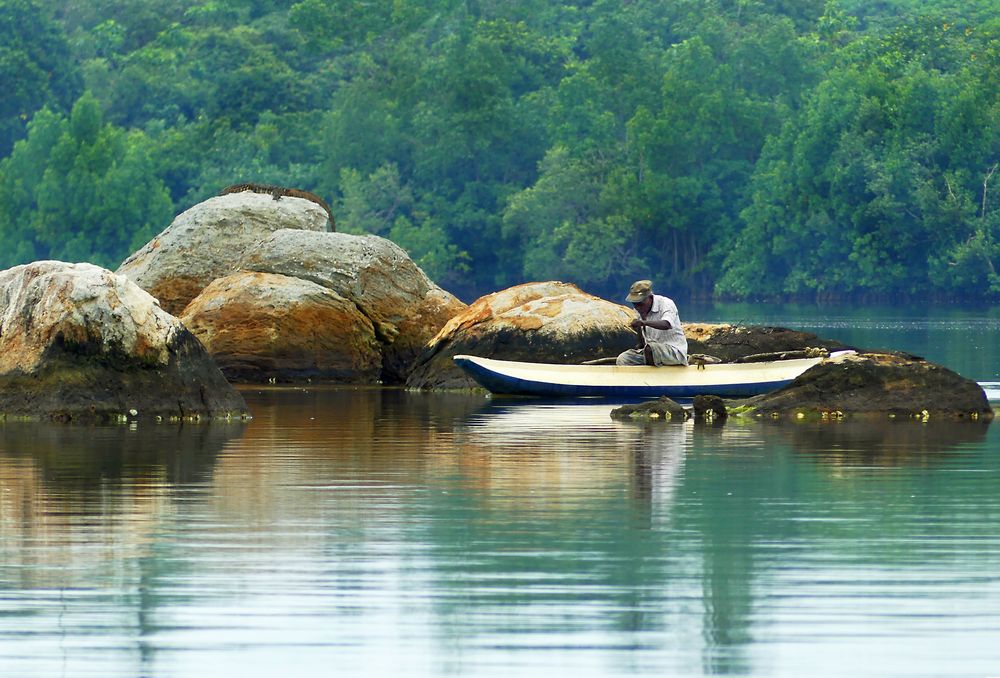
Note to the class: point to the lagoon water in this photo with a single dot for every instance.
(380, 532)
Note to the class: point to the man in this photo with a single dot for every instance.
(659, 326)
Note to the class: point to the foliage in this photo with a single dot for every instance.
(882, 185)
(36, 67)
(744, 149)
(78, 189)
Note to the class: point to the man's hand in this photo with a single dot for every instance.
(637, 325)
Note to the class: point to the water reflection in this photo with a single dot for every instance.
(82, 510)
(63, 484)
(76, 456)
(659, 540)
(882, 443)
(561, 454)
(458, 534)
(657, 465)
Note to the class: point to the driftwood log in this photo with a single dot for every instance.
(279, 192)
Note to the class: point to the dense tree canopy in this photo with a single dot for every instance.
(744, 149)
(36, 67)
(78, 189)
(882, 185)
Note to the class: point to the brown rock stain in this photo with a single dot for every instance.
(703, 331)
(270, 325)
(549, 308)
(176, 293)
(527, 323)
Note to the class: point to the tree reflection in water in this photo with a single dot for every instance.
(472, 527)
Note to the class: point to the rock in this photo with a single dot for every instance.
(405, 307)
(79, 342)
(207, 241)
(661, 408)
(549, 322)
(875, 384)
(262, 326)
(709, 408)
(730, 342)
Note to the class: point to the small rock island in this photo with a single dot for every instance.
(80, 343)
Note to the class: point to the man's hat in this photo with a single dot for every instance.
(640, 291)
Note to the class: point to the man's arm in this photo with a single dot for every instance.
(638, 324)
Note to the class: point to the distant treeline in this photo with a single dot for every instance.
(735, 148)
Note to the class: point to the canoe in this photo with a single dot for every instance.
(729, 380)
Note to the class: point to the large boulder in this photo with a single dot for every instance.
(404, 306)
(875, 384)
(548, 322)
(79, 342)
(264, 326)
(207, 241)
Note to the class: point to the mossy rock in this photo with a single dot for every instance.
(878, 385)
(662, 408)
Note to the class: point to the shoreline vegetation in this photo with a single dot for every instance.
(813, 151)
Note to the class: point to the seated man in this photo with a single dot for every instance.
(659, 326)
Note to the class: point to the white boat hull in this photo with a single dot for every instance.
(730, 380)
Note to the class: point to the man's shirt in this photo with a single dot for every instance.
(665, 309)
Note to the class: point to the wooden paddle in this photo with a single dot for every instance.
(600, 361)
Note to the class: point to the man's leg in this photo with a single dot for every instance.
(662, 354)
(633, 356)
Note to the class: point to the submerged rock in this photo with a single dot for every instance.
(710, 408)
(78, 342)
(262, 327)
(661, 408)
(875, 384)
(547, 322)
(207, 241)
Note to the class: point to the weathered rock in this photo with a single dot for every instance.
(661, 408)
(875, 384)
(709, 408)
(550, 322)
(79, 342)
(730, 342)
(207, 241)
(262, 326)
(405, 307)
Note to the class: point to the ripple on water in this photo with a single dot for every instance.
(386, 533)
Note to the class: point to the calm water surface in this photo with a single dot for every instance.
(379, 532)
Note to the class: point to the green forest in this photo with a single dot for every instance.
(734, 149)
